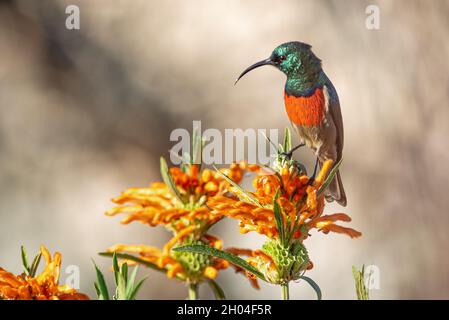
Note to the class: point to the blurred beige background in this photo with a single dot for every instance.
(86, 113)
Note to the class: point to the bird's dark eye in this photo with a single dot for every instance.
(282, 58)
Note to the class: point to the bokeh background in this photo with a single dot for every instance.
(85, 114)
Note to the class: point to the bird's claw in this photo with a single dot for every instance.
(289, 154)
(312, 178)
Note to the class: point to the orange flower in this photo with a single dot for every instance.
(284, 206)
(191, 268)
(42, 287)
(157, 205)
(298, 200)
(188, 220)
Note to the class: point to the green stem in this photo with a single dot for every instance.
(285, 292)
(193, 291)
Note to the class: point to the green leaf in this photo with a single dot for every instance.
(314, 285)
(25, 263)
(125, 289)
(278, 217)
(35, 264)
(124, 272)
(360, 287)
(133, 294)
(197, 147)
(121, 287)
(168, 180)
(30, 270)
(116, 267)
(130, 257)
(247, 195)
(287, 140)
(217, 290)
(204, 249)
(101, 286)
(329, 178)
(97, 291)
(130, 283)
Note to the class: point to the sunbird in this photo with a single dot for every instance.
(312, 106)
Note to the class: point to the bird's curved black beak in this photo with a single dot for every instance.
(254, 66)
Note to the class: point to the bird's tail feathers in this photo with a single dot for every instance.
(335, 190)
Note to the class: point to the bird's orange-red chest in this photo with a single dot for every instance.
(306, 110)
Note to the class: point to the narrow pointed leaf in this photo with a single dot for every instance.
(116, 267)
(194, 146)
(130, 257)
(35, 264)
(278, 217)
(136, 289)
(314, 285)
(359, 278)
(101, 284)
(124, 272)
(25, 263)
(204, 249)
(97, 291)
(130, 283)
(168, 180)
(329, 178)
(121, 287)
(217, 290)
(287, 140)
(246, 194)
(197, 147)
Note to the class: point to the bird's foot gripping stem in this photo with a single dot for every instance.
(312, 178)
(288, 154)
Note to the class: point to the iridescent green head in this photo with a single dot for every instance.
(295, 58)
(297, 61)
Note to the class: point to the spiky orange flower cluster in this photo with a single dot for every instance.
(156, 205)
(207, 182)
(182, 211)
(298, 200)
(42, 287)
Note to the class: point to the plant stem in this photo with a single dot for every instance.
(193, 291)
(285, 292)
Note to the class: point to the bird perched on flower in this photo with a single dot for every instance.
(312, 106)
(285, 206)
(299, 207)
